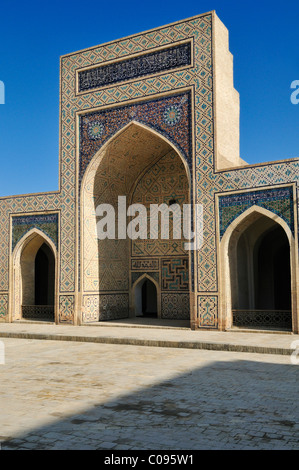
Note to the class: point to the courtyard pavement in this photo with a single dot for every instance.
(148, 386)
(156, 333)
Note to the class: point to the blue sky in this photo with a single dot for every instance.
(264, 38)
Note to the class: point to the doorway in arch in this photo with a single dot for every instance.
(44, 276)
(34, 278)
(153, 172)
(146, 304)
(261, 276)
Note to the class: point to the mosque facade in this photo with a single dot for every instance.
(146, 120)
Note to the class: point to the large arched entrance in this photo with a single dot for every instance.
(34, 278)
(136, 167)
(258, 272)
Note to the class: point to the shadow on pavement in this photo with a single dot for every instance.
(242, 404)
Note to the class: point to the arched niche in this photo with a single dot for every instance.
(251, 269)
(34, 277)
(114, 171)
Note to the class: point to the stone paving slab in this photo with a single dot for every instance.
(113, 397)
(169, 335)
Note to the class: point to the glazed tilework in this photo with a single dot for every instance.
(128, 69)
(207, 310)
(198, 76)
(179, 105)
(175, 305)
(210, 182)
(127, 98)
(136, 275)
(105, 307)
(141, 264)
(114, 306)
(169, 116)
(47, 223)
(18, 206)
(279, 201)
(91, 308)
(174, 274)
(66, 308)
(3, 306)
(164, 181)
(106, 263)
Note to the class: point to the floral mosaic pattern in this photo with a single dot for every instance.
(172, 115)
(95, 130)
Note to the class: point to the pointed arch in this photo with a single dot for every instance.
(22, 271)
(113, 171)
(136, 294)
(99, 155)
(228, 247)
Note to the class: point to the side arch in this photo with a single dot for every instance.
(22, 271)
(227, 272)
